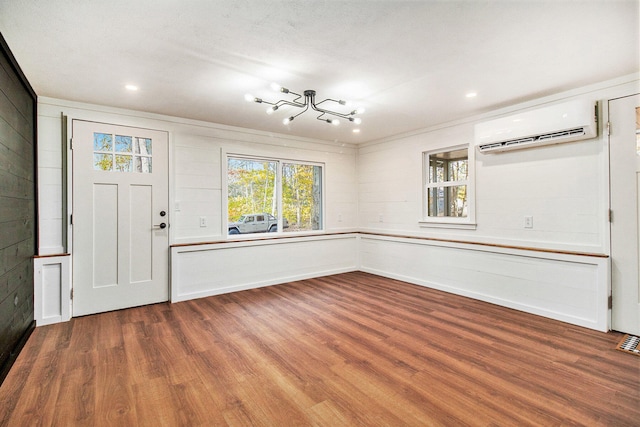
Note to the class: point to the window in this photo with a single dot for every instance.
(267, 195)
(302, 196)
(127, 154)
(447, 187)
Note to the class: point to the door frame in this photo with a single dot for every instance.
(606, 113)
(67, 189)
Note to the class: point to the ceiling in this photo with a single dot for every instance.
(409, 63)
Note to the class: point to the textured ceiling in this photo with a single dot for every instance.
(409, 63)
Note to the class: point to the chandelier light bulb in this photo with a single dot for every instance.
(271, 109)
(335, 122)
(357, 120)
(249, 98)
(287, 120)
(276, 87)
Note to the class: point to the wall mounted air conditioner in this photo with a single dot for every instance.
(570, 121)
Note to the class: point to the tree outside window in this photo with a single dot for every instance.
(263, 186)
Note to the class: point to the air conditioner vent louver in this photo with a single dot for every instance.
(567, 122)
(547, 137)
(562, 134)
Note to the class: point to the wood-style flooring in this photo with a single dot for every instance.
(346, 350)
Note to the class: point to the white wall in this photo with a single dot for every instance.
(50, 181)
(564, 188)
(199, 185)
(195, 169)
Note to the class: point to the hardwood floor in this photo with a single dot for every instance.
(346, 350)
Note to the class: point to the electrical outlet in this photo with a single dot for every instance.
(203, 221)
(528, 221)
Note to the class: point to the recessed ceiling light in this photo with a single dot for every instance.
(471, 94)
(132, 88)
(356, 131)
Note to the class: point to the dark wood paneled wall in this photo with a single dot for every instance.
(18, 236)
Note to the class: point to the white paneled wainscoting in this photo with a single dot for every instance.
(201, 270)
(52, 293)
(570, 287)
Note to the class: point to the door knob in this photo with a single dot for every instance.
(161, 225)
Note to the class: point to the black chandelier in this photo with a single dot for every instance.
(309, 101)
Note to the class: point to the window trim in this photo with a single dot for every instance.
(279, 203)
(468, 222)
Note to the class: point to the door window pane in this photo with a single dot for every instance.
(102, 142)
(143, 146)
(124, 163)
(123, 144)
(102, 162)
(143, 164)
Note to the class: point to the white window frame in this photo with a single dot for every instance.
(468, 222)
(279, 161)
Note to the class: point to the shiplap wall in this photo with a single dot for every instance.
(17, 208)
(564, 188)
(199, 189)
(196, 150)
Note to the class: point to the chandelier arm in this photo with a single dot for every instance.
(292, 103)
(298, 96)
(323, 120)
(333, 113)
(305, 109)
(333, 100)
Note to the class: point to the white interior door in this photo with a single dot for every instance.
(120, 200)
(624, 143)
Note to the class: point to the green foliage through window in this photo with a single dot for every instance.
(251, 187)
(256, 186)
